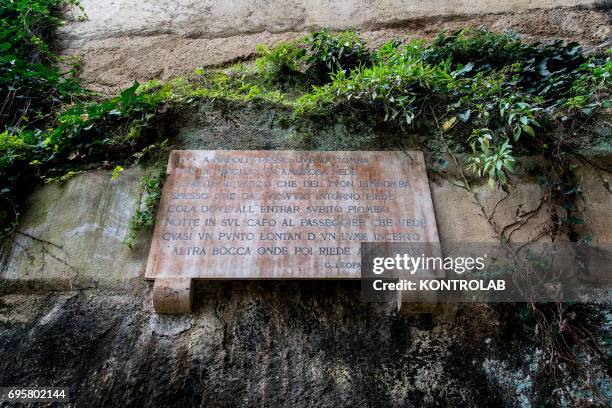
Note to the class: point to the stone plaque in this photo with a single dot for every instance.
(285, 214)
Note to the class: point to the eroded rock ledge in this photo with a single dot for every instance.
(128, 41)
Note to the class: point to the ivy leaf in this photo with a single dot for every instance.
(116, 172)
(528, 129)
(588, 111)
(543, 68)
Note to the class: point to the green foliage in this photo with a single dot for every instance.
(475, 50)
(88, 126)
(313, 59)
(594, 82)
(398, 87)
(330, 53)
(489, 94)
(30, 85)
(317, 101)
(490, 158)
(548, 70)
(281, 63)
(32, 91)
(117, 172)
(85, 133)
(150, 194)
(499, 96)
(12, 149)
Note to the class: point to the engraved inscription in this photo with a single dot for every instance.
(285, 214)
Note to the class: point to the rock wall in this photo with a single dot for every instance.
(213, 19)
(75, 310)
(260, 344)
(125, 40)
(73, 233)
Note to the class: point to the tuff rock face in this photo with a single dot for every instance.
(252, 343)
(75, 310)
(127, 40)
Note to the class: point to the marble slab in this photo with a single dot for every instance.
(285, 214)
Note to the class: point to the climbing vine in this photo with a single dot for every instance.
(488, 98)
(493, 96)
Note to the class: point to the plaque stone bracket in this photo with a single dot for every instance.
(173, 295)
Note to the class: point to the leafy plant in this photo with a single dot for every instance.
(591, 89)
(280, 63)
(30, 84)
(398, 88)
(548, 70)
(475, 50)
(329, 53)
(490, 158)
(150, 194)
(117, 172)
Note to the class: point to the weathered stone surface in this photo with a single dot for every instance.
(75, 232)
(249, 343)
(201, 18)
(171, 40)
(518, 213)
(253, 343)
(596, 201)
(173, 295)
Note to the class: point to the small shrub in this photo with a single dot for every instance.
(591, 88)
(151, 185)
(479, 50)
(329, 53)
(30, 84)
(491, 159)
(515, 97)
(398, 88)
(281, 63)
(548, 70)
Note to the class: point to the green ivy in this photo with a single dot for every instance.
(281, 63)
(329, 53)
(31, 86)
(490, 95)
(150, 194)
(493, 95)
